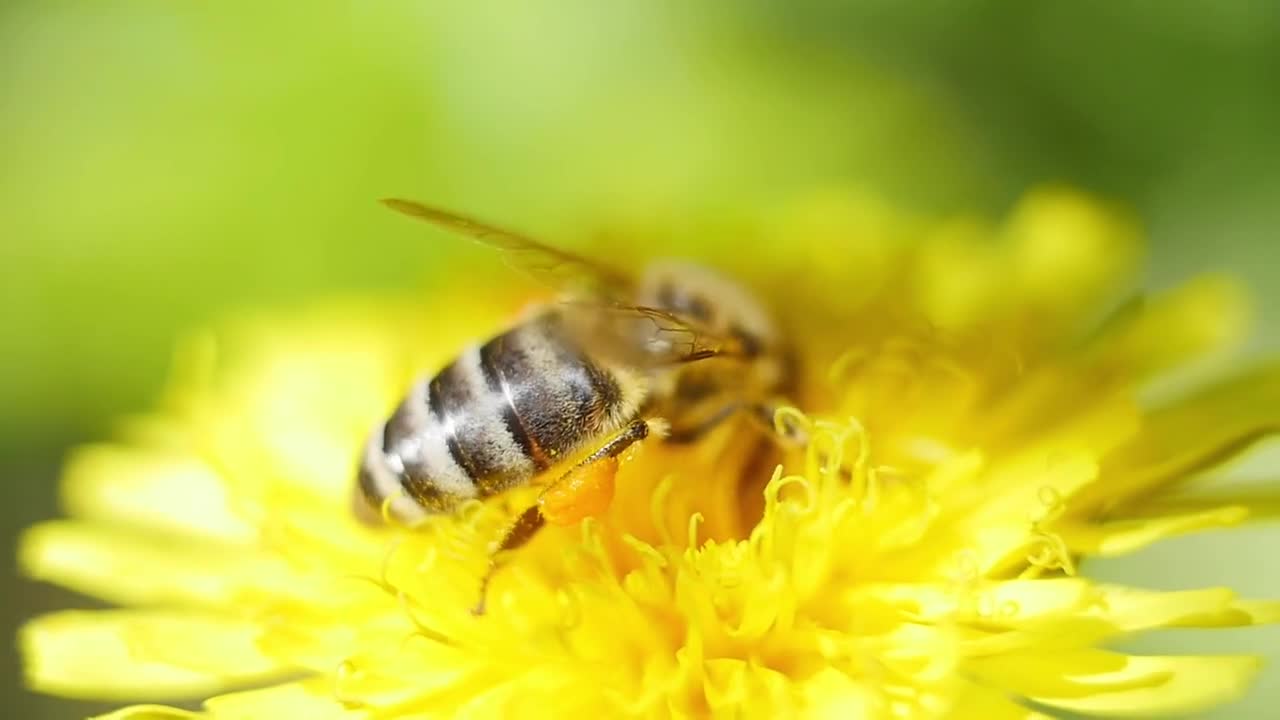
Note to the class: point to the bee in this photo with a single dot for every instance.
(670, 353)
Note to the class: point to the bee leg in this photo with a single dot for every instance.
(519, 533)
(583, 490)
(587, 488)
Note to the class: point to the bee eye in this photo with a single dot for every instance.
(698, 308)
(666, 295)
(751, 345)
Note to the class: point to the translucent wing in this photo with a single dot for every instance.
(643, 336)
(557, 268)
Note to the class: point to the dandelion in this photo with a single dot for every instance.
(973, 444)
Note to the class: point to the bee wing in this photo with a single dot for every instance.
(557, 268)
(643, 336)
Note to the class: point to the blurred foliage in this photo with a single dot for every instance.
(164, 163)
(168, 162)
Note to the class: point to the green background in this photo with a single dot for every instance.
(164, 163)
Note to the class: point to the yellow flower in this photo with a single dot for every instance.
(974, 443)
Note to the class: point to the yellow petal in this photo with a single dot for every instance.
(1009, 603)
(311, 700)
(406, 669)
(1066, 249)
(130, 569)
(1017, 493)
(978, 702)
(1187, 685)
(1060, 674)
(1061, 636)
(833, 695)
(1262, 503)
(1189, 437)
(1125, 536)
(148, 712)
(955, 273)
(302, 529)
(1043, 472)
(1133, 610)
(1206, 314)
(169, 492)
(303, 397)
(122, 654)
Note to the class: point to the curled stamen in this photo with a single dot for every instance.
(384, 508)
(1047, 551)
(344, 672)
(988, 607)
(761, 538)
(694, 521)
(471, 512)
(825, 452)
(1053, 505)
(773, 493)
(829, 448)
(787, 419)
(1052, 554)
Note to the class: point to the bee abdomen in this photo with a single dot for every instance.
(557, 397)
(477, 421)
(492, 419)
(409, 456)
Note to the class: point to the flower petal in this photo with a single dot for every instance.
(1188, 437)
(1205, 314)
(1262, 503)
(1186, 685)
(1040, 474)
(295, 403)
(1017, 493)
(833, 695)
(1008, 603)
(1133, 610)
(169, 492)
(129, 569)
(122, 654)
(1126, 536)
(1066, 250)
(979, 702)
(148, 712)
(312, 699)
(955, 275)
(1068, 673)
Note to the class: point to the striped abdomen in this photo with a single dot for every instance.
(494, 418)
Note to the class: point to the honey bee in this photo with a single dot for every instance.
(672, 352)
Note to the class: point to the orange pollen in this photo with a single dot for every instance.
(584, 492)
